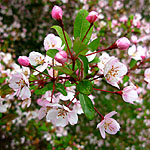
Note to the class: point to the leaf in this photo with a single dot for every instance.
(69, 84)
(87, 106)
(5, 89)
(8, 118)
(125, 79)
(132, 63)
(94, 44)
(95, 60)
(81, 25)
(60, 33)
(61, 89)
(79, 47)
(85, 87)
(2, 79)
(63, 69)
(52, 52)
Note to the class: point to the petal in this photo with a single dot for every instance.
(42, 113)
(102, 131)
(25, 93)
(72, 118)
(60, 121)
(51, 115)
(110, 114)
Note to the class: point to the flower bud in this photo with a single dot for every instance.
(123, 43)
(61, 57)
(92, 17)
(57, 13)
(23, 61)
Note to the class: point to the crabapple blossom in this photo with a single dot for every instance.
(129, 94)
(77, 107)
(123, 43)
(61, 57)
(52, 42)
(108, 125)
(20, 84)
(92, 16)
(134, 39)
(57, 13)
(23, 61)
(114, 71)
(123, 19)
(61, 115)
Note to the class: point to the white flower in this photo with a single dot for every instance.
(52, 42)
(20, 84)
(114, 71)
(109, 125)
(147, 75)
(61, 116)
(129, 94)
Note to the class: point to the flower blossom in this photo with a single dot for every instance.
(20, 84)
(129, 94)
(57, 13)
(114, 71)
(52, 42)
(108, 124)
(147, 75)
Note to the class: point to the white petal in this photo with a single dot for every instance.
(25, 93)
(110, 114)
(72, 118)
(42, 113)
(52, 114)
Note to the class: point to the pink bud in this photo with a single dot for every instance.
(92, 17)
(61, 57)
(23, 61)
(57, 13)
(123, 43)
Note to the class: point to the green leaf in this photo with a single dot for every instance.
(125, 79)
(87, 106)
(52, 52)
(85, 87)
(60, 33)
(79, 47)
(95, 60)
(63, 69)
(69, 84)
(81, 25)
(2, 79)
(94, 44)
(5, 89)
(132, 63)
(61, 89)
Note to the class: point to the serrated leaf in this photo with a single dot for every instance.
(52, 52)
(63, 69)
(79, 47)
(61, 89)
(85, 87)
(81, 25)
(60, 33)
(94, 44)
(87, 106)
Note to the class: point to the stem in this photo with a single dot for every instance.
(87, 32)
(102, 117)
(53, 91)
(73, 99)
(117, 92)
(97, 51)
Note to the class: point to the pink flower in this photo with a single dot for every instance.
(129, 94)
(57, 13)
(23, 61)
(134, 39)
(109, 125)
(123, 19)
(123, 43)
(147, 75)
(61, 57)
(92, 16)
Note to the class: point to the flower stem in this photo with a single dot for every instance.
(73, 99)
(53, 91)
(102, 117)
(116, 92)
(97, 51)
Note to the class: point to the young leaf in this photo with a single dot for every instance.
(52, 52)
(87, 106)
(79, 47)
(85, 87)
(60, 33)
(132, 63)
(81, 25)
(61, 89)
(63, 69)
(94, 44)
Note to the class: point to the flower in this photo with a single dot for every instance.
(57, 13)
(147, 75)
(20, 84)
(92, 17)
(61, 57)
(52, 42)
(108, 124)
(23, 61)
(129, 94)
(114, 71)
(123, 43)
